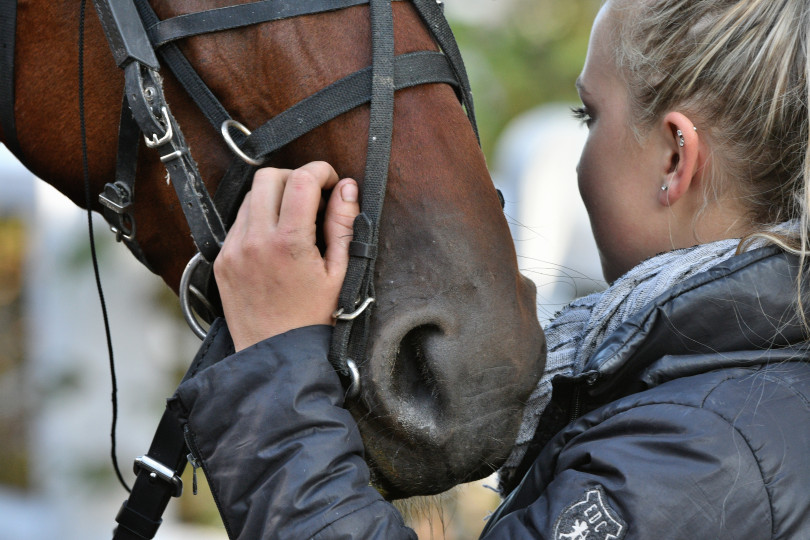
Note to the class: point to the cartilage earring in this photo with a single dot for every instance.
(681, 140)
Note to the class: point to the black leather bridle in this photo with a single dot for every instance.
(134, 45)
(138, 39)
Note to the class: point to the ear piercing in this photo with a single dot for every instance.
(681, 143)
(681, 140)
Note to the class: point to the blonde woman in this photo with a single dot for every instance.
(680, 406)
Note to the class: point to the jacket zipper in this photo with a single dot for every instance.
(194, 466)
(576, 399)
(197, 462)
(575, 407)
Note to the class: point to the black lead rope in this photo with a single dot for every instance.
(94, 256)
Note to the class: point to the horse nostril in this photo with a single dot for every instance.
(412, 378)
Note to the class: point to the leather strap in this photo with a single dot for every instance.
(117, 198)
(433, 16)
(140, 515)
(207, 228)
(238, 16)
(144, 91)
(187, 76)
(125, 33)
(342, 96)
(358, 285)
(8, 32)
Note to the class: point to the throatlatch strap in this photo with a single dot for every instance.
(8, 35)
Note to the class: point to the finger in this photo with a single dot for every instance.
(268, 189)
(338, 226)
(239, 225)
(257, 213)
(302, 195)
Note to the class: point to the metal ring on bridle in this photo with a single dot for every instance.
(232, 145)
(354, 387)
(185, 284)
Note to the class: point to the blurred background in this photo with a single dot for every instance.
(56, 481)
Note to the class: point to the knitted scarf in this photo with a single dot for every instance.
(577, 331)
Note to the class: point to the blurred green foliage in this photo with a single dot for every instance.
(530, 54)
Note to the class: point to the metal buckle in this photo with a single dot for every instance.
(116, 197)
(155, 141)
(113, 205)
(121, 234)
(157, 470)
(341, 316)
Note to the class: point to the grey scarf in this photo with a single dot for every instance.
(577, 331)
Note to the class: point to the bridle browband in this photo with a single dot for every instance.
(137, 38)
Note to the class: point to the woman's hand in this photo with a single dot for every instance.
(270, 274)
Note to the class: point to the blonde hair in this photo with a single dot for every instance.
(739, 68)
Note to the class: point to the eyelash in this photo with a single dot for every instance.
(582, 114)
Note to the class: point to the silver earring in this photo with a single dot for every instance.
(681, 140)
(664, 188)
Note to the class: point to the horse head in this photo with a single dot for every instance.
(454, 347)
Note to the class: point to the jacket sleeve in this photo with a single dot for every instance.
(664, 471)
(283, 458)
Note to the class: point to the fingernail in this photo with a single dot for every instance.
(349, 192)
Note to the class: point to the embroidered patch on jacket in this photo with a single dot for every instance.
(590, 518)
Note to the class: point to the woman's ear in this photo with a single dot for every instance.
(681, 139)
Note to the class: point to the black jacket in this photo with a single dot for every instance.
(691, 421)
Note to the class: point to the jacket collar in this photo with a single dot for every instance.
(741, 312)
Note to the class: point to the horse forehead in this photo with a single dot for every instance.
(310, 38)
(292, 56)
(299, 25)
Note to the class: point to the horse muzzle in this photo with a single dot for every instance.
(444, 387)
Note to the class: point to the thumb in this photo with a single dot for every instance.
(341, 210)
